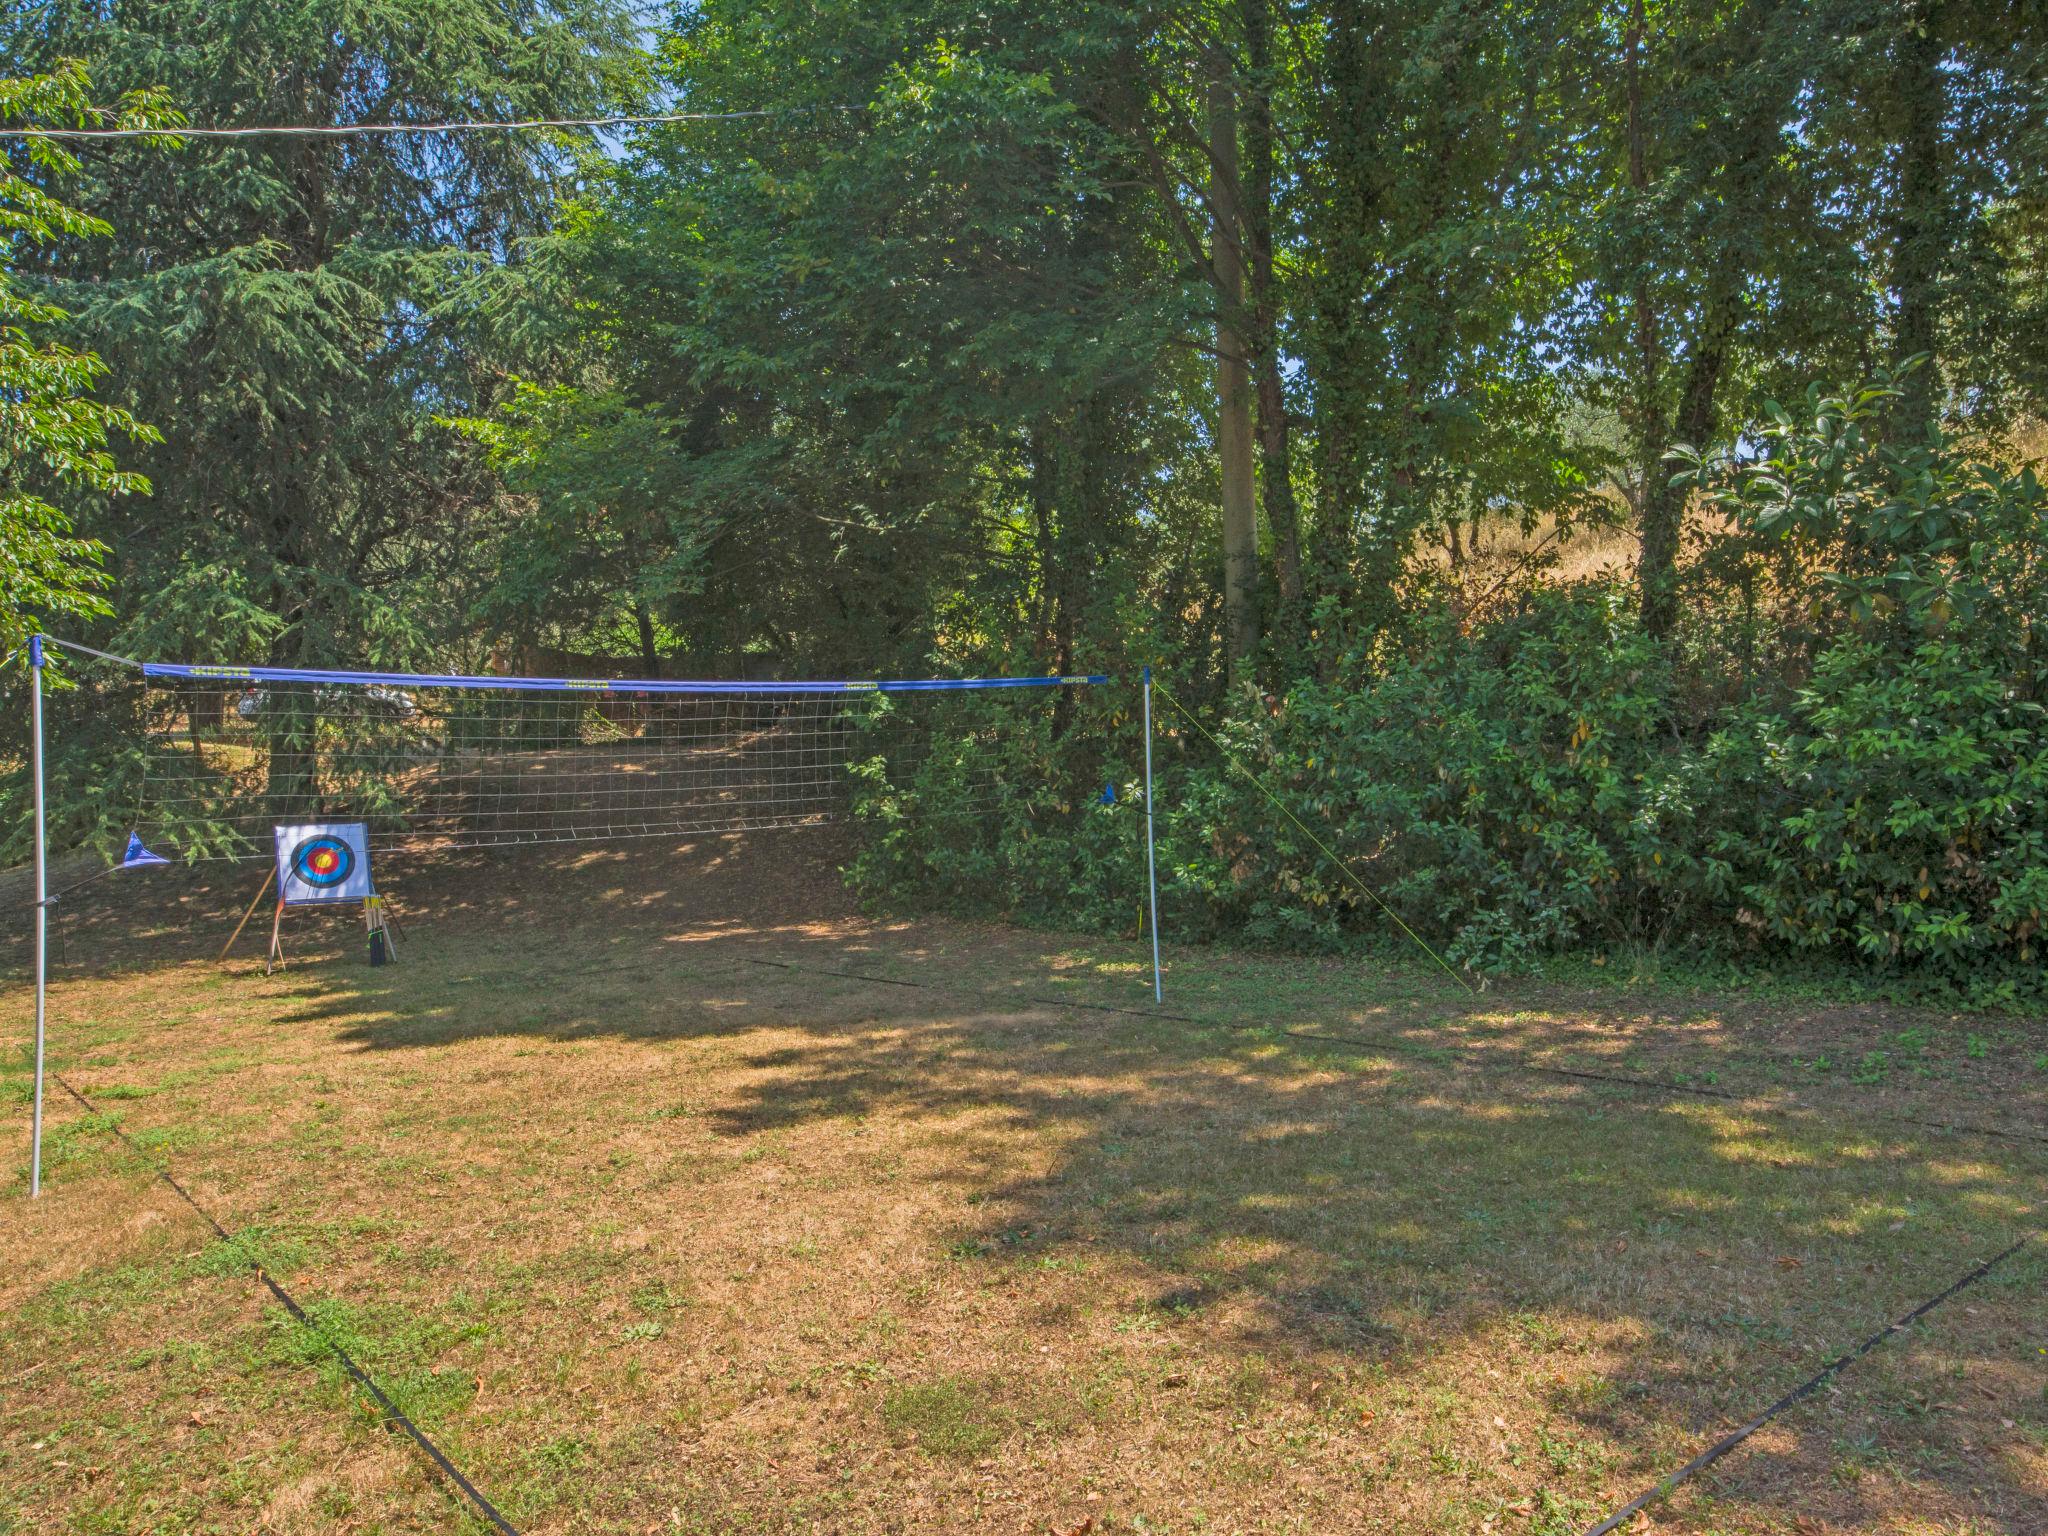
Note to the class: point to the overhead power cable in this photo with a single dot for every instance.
(344, 130)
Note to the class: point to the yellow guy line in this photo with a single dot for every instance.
(1328, 853)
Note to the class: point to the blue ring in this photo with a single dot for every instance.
(344, 865)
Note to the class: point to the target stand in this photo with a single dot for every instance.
(379, 921)
(325, 864)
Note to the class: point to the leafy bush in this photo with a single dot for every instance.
(1550, 783)
(989, 804)
(1908, 819)
(1515, 793)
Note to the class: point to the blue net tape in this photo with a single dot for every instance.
(599, 685)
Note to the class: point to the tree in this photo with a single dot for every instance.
(1260, 87)
(307, 309)
(54, 438)
(1430, 154)
(899, 376)
(1711, 242)
(1234, 345)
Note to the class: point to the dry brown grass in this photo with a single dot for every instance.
(658, 1238)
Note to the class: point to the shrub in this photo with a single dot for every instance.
(1548, 783)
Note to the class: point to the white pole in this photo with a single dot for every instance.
(1151, 866)
(35, 667)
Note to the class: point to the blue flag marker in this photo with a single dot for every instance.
(138, 856)
(1108, 795)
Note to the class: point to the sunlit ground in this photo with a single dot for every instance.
(653, 1236)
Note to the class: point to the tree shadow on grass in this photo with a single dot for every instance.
(1646, 1272)
(1360, 1212)
(532, 897)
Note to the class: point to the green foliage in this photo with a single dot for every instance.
(1898, 539)
(996, 807)
(53, 437)
(1545, 785)
(301, 315)
(865, 384)
(1899, 793)
(307, 311)
(1510, 792)
(1909, 821)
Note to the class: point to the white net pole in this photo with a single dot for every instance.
(35, 1157)
(1151, 867)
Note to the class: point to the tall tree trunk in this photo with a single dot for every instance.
(1347, 364)
(1922, 223)
(1662, 503)
(1233, 383)
(1276, 483)
(650, 658)
(1062, 472)
(1751, 144)
(1658, 514)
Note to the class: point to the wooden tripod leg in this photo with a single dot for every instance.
(276, 955)
(246, 915)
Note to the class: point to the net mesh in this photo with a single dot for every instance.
(440, 767)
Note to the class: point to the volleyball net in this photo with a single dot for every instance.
(204, 760)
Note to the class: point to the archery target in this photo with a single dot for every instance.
(327, 861)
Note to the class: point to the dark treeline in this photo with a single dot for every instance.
(1398, 377)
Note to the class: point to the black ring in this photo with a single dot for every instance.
(323, 880)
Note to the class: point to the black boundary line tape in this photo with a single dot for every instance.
(1404, 1047)
(1806, 1388)
(1663, 1489)
(291, 1305)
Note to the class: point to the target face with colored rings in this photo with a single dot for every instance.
(323, 862)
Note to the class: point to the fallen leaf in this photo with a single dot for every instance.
(1786, 1261)
(1087, 1524)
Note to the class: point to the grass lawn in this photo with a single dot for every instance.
(653, 1236)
